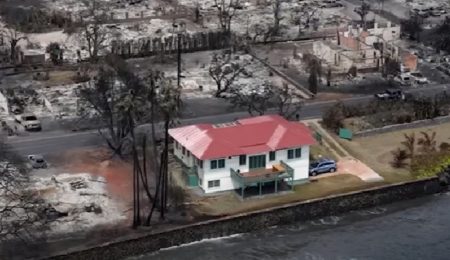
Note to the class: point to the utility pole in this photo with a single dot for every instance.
(179, 59)
(179, 30)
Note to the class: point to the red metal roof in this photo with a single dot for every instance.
(247, 136)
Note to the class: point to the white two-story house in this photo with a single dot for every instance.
(247, 152)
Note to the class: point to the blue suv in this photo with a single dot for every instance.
(322, 166)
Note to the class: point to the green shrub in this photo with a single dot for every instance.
(427, 165)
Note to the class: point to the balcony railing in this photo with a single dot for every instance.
(277, 172)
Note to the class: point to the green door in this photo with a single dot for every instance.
(258, 161)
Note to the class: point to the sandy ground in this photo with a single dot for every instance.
(376, 150)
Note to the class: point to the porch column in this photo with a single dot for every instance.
(276, 184)
(260, 192)
(242, 191)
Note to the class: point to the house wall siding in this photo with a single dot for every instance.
(178, 152)
(206, 174)
(300, 166)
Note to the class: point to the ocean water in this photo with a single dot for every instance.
(416, 229)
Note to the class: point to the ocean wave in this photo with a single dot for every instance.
(205, 240)
(329, 221)
(373, 211)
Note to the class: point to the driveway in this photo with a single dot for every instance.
(349, 165)
(346, 164)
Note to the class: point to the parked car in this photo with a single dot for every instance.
(391, 94)
(29, 122)
(419, 78)
(37, 161)
(322, 166)
(423, 13)
(403, 79)
(435, 12)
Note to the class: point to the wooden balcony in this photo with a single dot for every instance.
(277, 173)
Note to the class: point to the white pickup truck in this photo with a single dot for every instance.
(29, 122)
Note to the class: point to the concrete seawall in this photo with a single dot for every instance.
(286, 214)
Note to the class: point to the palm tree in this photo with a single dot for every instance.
(427, 142)
(410, 144)
(399, 157)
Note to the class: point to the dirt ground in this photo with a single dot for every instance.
(60, 78)
(117, 173)
(376, 150)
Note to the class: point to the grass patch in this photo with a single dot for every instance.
(332, 185)
(376, 150)
(334, 147)
(318, 150)
(327, 140)
(229, 204)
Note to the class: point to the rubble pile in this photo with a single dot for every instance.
(78, 201)
(25, 99)
(62, 99)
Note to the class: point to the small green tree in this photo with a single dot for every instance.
(413, 27)
(363, 11)
(333, 117)
(427, 142)
(55, 52)
(391, 67)
(399, 158)
(312, 82)
(314, 74)
(410, 143)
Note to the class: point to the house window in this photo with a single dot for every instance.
(188, 154)
(258, 161)
(214, 184)
(242, 159)
(176, 145)
(272, 156)
(221, 163)
(294, 153)
(213, 164)
(290, 154)
(183, 150)
(298, 152)
(217, 164)
(200, 163)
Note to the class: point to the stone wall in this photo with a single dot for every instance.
(391, 128)
(248, 222)
(202, 41)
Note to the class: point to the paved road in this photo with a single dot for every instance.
(59, 141)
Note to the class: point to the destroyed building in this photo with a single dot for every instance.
(363, 49)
